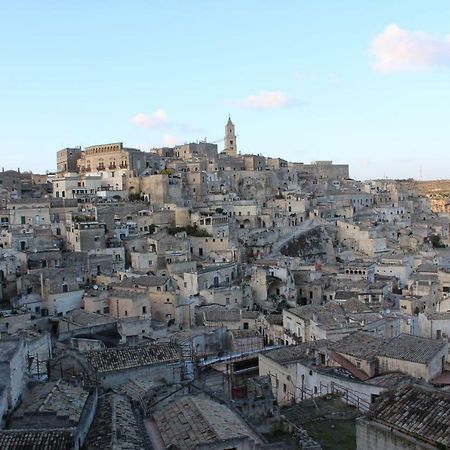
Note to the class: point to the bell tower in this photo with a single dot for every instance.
(230, 139)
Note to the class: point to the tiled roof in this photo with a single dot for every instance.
(222, 315)
(114, 425)
(249, 314)
(391, 380)
(354, 306)
(244, 334)
(122, 358)
(85, 318)
(293, 353)
(305, 312)
(61, 398)
(421, 412)
(36, 440)
(405, 346)
(145, 281)
(334, 307)
(360, 345)
(345, 295)
(191, 421)
(438, 315)
(412, 348)
(274, 319)
(216, 266)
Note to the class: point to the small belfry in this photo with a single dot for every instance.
(230, 139)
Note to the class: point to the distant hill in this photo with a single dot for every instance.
(434, 187)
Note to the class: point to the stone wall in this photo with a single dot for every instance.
(375, 436)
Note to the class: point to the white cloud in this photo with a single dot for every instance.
(157, 120)
(399, 50)
(170, 140)
(267, 100)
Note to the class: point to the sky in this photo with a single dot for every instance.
(363, 83)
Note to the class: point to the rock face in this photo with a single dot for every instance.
(251, 189)
(311, 246)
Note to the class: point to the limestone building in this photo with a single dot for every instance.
(67, 159)
(230, 139)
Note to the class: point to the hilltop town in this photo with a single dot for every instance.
(202, 297)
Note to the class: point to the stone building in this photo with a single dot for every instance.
(51, 291)
(208, 277)
(127, 303)
(176, 426)
(67, 159)
(84, 236)
(54, 439)
(114, 415)
(110, 158)
(242, 341)
(326, 169)
(161, 297)
(29, 212)
(56, 405)
(254, 163)
(232, 319)
(13, 369)
(230, 139)
(194, 150)
(409, 417)
(114, 366)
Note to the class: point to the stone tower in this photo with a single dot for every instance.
(230, 139)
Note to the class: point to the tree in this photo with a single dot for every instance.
(134, 196)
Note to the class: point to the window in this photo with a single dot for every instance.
(322, 358)
(245, 325)
(284, 388)
(144, 310)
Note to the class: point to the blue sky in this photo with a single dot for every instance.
(364, 83)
